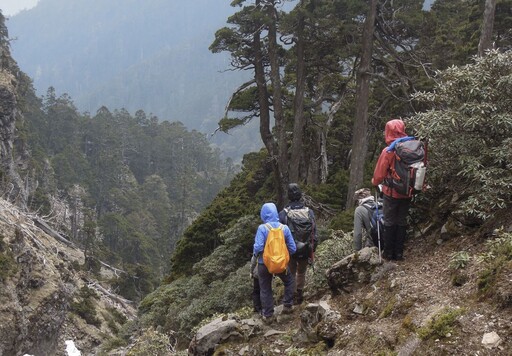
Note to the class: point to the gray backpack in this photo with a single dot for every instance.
(302, 226)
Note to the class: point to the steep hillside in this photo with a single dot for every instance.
(47, 296)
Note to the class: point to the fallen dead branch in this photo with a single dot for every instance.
(44, 226)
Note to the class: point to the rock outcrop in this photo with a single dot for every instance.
(12, 183)
(45, 297)
(354, 270)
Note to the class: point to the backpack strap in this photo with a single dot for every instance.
(391, 147)
(270, 227)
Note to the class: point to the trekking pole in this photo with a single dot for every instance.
(312, 244)
(378, 225)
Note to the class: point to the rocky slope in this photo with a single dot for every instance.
(46, 298)
(12, 182)
(432, 303)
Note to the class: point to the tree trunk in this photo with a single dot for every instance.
(298, 104)
(324, 167)
(280, 124)
(265, 132)
(360, 137)
(259, 76)
(488, 23)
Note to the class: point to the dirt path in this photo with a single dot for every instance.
(410, 293)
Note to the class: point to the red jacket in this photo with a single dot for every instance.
(394, 129)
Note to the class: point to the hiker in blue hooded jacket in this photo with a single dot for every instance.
(269, 215)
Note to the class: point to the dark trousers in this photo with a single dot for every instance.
(266, 296)
(298, 268)
(395, 226)
(395, 211)
(256, 300)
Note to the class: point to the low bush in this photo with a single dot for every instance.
(441, 325)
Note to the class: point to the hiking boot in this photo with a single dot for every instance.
(287, 309)
(401, 235)
(387, 255)
(389, 242)
(267, 319)
(299, 297)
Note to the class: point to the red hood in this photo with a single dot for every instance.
(394, 129)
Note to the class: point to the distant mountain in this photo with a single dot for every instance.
(151, 55)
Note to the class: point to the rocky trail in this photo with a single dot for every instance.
(419, 306)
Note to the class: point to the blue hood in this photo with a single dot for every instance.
(269, 213)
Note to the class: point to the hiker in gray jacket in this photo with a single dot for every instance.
(362, 217)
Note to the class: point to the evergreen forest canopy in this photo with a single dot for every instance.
(144, 181)
(306, 67)
(105, 53)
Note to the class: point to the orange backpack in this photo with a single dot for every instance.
(275, 254)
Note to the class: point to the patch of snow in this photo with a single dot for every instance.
(71, 348)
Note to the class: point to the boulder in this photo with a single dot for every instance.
(318, 322)
(212, 334)
(491, 340)
(354, 270)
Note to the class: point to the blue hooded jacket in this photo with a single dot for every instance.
(269, 215)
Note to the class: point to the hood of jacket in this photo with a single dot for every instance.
(269, 213)
(394, 129)
(365, 200)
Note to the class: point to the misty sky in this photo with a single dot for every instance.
(12, 7)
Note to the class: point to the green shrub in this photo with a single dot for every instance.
(496, 261)
(470, 127)
(459, 279)
(440, 325)
(111, 344)
(459, 260)
(7, 263)
(388, 309)
(119, 317)
(330, 251)
(7, 266)
(84, 306)
(114, 319)
(235, 251)
(151, 342)
(220, 284)
(343, 221)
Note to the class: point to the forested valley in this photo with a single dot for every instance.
(123, 186)
(154, 199)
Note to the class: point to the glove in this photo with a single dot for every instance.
(254, 266)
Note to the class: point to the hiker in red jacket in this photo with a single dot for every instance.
(396, 206)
